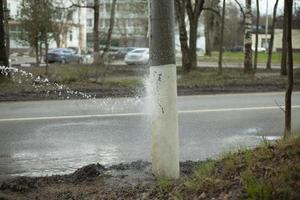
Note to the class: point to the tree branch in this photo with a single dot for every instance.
(241, 8)
(213, 11)
(198, 8)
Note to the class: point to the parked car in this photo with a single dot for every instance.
(63, 55)
(123, 51)
(259, 49)
(236, 49)
(137, 56)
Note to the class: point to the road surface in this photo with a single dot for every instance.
(57, 137)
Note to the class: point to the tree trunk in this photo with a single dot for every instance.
(96, 31)
(183, 36)
(111, 27)
(270, 50)
(193, 44)
(109, 38)
(256, 35)
(283, 68)
(46, 54)
(3, 51)
(248, 39)
(37, 58)
(207, 39)
(288, 96)
(222, 38)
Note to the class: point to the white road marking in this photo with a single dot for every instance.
(235, 109)
(142, 114)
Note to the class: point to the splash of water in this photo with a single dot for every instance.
(40, 83)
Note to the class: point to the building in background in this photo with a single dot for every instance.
(71, 21)
(278, 32)
(131, 23)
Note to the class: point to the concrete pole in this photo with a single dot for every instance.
(163, 83)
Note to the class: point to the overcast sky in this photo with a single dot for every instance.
(263, 5)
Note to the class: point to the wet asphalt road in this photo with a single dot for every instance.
(57, 137)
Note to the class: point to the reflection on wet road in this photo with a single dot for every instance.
(208, 126)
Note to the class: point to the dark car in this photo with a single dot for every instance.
(63, 55)
(122, 52)
(236, 49)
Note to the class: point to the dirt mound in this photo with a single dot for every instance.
(87, 173)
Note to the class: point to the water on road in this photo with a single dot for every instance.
(57, 137)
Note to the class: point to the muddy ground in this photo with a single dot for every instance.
(270, 171)
(123, 181)
(104, 92)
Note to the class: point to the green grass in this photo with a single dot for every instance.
(91, 77)
(230, 77)
(270, 171)
(238, 57)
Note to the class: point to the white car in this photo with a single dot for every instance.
(259, 49)
(139, 56)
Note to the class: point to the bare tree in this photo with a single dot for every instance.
(241, 9)
(193, 9)
(288, 13)
(211, 20)
(62, 24)
(3, 52)
(248, 39)
(222, 38)
(256, 35)
(283, 68)
(270, 50)
(36, 24)
(96, 35)
(95, 6)
(111, 27)
(234, 29)
(183, 35)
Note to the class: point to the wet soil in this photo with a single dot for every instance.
(105, 92)
(124, 181)
(270, 171)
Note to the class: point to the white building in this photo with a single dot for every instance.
(131, 22)
(277, 45)
(74, 34)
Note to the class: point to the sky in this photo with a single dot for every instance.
(271, 3)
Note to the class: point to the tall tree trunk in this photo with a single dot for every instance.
(207, 34)
(109, 38)
(96, 31)
(46, 54)
(183, 36)
(3, 52)
(193, 43)
(208, 29)
(37, 57)
(248, 39)
(256, 35)
(283, 68)
(270, 50)
(222, 38)
(111, 27)
(288, 96)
